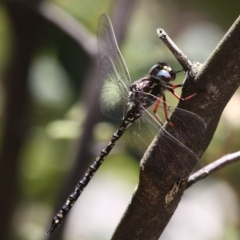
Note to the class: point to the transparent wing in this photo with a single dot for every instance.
(144, 130)
(114, 79)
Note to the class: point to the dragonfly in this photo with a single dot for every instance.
(122, 99)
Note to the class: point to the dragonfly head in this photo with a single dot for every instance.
(162, 72)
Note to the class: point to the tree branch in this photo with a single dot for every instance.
(182, 58)
(218, 78)
(213, 167)
(69, 25)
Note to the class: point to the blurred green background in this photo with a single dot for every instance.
(41, 139)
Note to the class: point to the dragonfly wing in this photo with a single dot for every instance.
(147, 127)
(114, 79)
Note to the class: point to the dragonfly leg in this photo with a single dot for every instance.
(156, 106)
(165, 108)
(171, 89)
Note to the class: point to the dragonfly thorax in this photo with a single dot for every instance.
(145, 90)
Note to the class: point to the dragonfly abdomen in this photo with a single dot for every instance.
(132, 115)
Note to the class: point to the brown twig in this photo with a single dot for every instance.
(213, 167)
(178, 54)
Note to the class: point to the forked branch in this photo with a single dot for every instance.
(217, 79)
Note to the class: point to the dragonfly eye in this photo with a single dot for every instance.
(162, 72)
(164, 75)
(161, 75)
